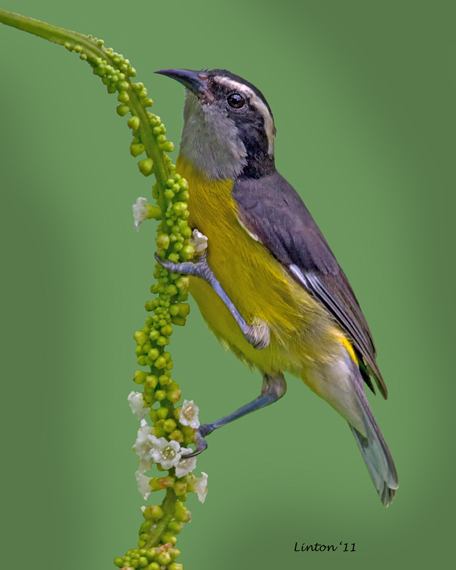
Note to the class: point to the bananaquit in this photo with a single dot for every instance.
(269, 286)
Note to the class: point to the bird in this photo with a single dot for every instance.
(268, 285)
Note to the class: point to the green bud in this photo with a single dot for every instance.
(146, 165)
(154, 334)
(159, 432)
(182, 514)
(164, 380)
(137, 149)
(169, 426)
(145, 527)
(163, 558)
(183, 282)
(139, 376)
(172, 290)
(167, 147)
(169, 538)
(184, 309)
(112, 88)
(180, 487)
(154, 484)
(143, 562)
(174, 310)
(118, 562)
(153, 354)
(123, 97)
(153, 512)
(179, 207)
(183, 296)
(140, 337)
(175, 565)
(148, 102)
(150, 382)
(186, 232)
(162, 241)
(160, 394)
(176, 435)
(187, 252)
(162, 340)
(135, 562)
(151, 553)
(142, 361)
(166, 482)
(153, 566)
(133, 122)
(175, 527)
(175, 553)
(162, 413)
(149, 306)
(178, 321)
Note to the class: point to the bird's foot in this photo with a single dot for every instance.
(257, 334)
(198, 268)
(200, 442)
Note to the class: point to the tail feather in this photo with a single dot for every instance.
(374, 450)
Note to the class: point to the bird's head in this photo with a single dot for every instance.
(228, 125)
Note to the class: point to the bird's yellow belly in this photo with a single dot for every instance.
(257, 284)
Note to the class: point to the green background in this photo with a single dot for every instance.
(363, 97)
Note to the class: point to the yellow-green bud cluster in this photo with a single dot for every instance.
(116, 72)
(169, 308)
(155, 558)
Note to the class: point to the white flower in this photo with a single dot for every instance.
(139, 212)
(166, 453)
(185, 465)
(137, 405)
(143, 446)
(189, 414)
(199, 485)
(143, 484)
(198, 241)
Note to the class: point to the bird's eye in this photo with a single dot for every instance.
(236, 101)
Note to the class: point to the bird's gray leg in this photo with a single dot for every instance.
(274, 387)
(257, 335)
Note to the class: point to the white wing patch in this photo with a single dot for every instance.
(244, 227)
(256, 102)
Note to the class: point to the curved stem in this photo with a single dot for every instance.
(94, 52)
(168, 506)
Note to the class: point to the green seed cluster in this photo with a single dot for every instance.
(162, 523)
(151, 559)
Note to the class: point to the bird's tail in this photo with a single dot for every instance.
(373, 448)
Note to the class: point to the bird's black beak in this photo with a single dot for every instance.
(196, 81)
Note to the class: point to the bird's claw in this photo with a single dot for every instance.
(198, 268)
(200, 443)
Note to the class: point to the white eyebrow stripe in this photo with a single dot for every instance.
(257, 103)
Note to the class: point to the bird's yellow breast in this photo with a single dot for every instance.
(256, 283)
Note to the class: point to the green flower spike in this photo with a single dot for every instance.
(162, 442)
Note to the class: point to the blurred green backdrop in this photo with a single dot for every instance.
(363, 97)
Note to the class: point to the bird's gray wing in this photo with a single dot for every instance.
(271, 209)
